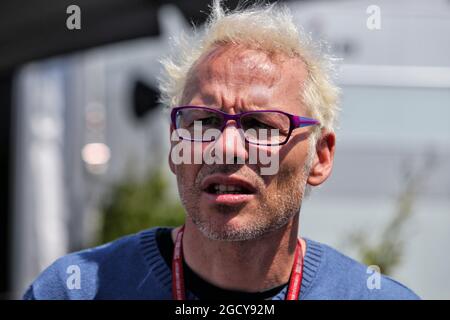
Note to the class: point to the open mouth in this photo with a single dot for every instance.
(217, 188)
(223, 190)
(220, 188)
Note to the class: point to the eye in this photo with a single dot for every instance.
(252, 123)
(207, 120)
(210, 121)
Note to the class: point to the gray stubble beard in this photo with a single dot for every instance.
(285, 207)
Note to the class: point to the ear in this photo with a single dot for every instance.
(171, 164)
(323, 159)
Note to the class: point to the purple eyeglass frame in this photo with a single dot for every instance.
(295, 121)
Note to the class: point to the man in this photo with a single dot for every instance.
(251, 86)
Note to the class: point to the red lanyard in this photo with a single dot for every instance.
(178, 290)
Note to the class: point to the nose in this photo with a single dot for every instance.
(231, 144)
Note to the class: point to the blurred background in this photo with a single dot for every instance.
(84, 143)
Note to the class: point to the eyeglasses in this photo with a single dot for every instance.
(260, 127)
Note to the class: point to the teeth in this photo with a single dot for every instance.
(221, 188)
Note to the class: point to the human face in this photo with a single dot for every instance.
(235, 79)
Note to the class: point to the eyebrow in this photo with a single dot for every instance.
(211, 101)
(257, 108)
(243, 109)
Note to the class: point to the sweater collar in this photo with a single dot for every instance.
(163, 274)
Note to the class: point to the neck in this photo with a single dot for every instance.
(251, 266)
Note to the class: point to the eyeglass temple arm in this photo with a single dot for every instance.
(300, 122)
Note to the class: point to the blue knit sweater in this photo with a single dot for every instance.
(133, 268)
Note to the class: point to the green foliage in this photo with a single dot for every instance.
(387, 251)
(134, 206)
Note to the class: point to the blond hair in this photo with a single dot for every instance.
(269, 28)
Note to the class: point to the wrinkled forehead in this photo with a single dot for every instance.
(237, 65)
(222, 62)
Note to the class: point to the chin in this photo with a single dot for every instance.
(230, 227)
